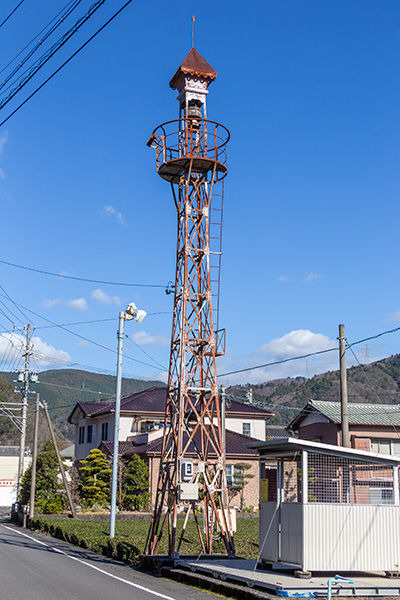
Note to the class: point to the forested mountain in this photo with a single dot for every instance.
(377, 382)
(63, 388)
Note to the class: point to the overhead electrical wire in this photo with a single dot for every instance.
(67, 11)
(277, 362)
(83, 337)
(11, 13)
(51, 52)
(64, 63)
(285, 360)
(35, 38)
(150, 285)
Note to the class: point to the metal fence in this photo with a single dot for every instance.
(330, 479)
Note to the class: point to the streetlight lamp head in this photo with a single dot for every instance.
(140, 316)
(132, 312)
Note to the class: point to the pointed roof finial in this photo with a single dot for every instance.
(193, 20)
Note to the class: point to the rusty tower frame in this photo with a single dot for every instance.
(191, 156)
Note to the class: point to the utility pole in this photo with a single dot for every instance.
(116, 425)
(25, 394)
(343, 388)
(224, 496)
(34, 457)
(60, 463)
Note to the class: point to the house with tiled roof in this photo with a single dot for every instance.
(372, 427)
(141, 428)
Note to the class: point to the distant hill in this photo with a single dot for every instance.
(377, 382)
(63, 388)
(10, 435)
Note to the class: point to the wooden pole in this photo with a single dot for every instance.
(34, 458)
(343, 388)
(60, 463)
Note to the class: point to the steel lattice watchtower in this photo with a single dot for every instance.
(191, 155)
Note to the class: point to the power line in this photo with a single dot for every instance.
(285, 360)
(277, 362)
(36, 36)
(11, 13)
(150, 285)
(67, 11)
(82, 337)
(52, 51)
(167, 312)
(65, 63)
(68, 387)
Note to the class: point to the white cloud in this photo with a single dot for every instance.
(296, 343)
(43, 353)
(102, 297)
(393, 317)
(3, 140)
(47, 354)
(110, 211)
(78, 304)
(51, 303)
(283, 278)
(2, 174)
(309, 277)
(144, 339)
(300, 341)
(83, 344)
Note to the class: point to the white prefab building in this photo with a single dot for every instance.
(9, 459)
(328, 508)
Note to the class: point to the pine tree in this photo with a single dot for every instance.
(95, 474)
(135, 485)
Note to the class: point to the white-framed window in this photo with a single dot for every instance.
(91, 434)
(105, 431)
(81, 435)
(381, 495)
(385, 446)
(232, 473)
(246, 429)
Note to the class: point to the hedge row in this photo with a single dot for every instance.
(130, 537)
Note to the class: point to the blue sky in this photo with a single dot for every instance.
(310, 93)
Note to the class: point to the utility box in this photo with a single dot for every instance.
(187, 470)
(328, 508)
(188, 491)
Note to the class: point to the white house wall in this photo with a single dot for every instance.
(82, 450)
(257, 426)
(125, 428)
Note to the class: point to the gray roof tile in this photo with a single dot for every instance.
(359, 414)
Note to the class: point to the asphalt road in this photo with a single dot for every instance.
(36, 567)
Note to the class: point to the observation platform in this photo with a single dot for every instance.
(173, 169)
(196, 145)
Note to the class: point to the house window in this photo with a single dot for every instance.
(91, 434)
(81, 439)
(234, 475)
(385, 446)
(246, 429)
(381, 495)
(105, 431)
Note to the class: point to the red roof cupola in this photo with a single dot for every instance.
(192, 80)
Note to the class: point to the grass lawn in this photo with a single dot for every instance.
(130, 537)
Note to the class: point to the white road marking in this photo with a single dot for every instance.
(135, 585)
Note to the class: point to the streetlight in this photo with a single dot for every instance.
(131, 312)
